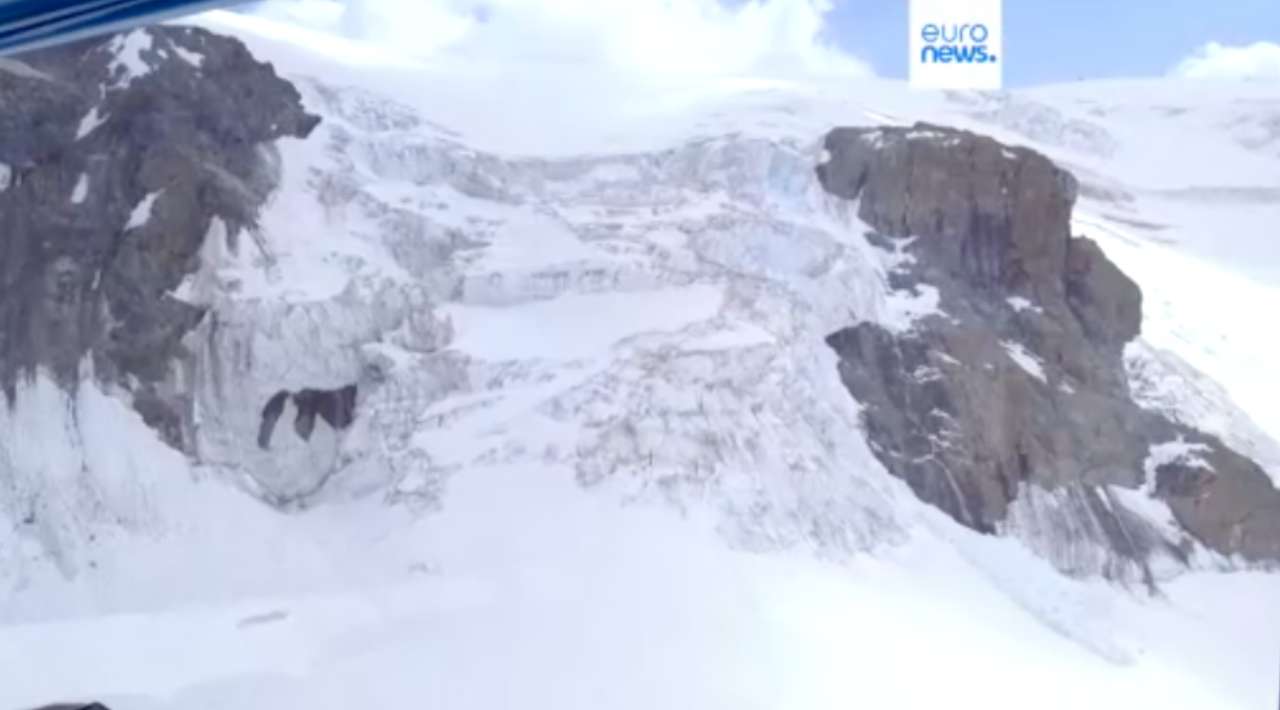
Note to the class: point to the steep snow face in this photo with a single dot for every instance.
(70, 477)
(652, 322)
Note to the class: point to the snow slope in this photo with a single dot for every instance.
(592, 606)
(604, 457)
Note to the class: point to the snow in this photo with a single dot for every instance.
(128, 64)
(1169, 452)
(1161, 381)
(576, 326)
(1019, 304)
(81, 191)
(904, 310)
(90, 123)
(532, 241)
(901, 309)
(741, 335)
(141, 213)
(1138, 114)
(1153, 510)
(1031, 364)
(1143, 501)
(574, 603)
(195, 59)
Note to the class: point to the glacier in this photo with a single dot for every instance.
(603, 455)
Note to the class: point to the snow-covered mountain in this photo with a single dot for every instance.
(491, 389)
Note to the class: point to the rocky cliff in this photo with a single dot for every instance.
(119, 156)
(1009, 409)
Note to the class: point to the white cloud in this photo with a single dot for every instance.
(760, 37)
(1260, 60)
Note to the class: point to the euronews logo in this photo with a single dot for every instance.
(962, 44)
(956, 44)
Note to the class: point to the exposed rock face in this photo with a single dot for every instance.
(336, 407)
(120, 153)
(996, 217)
(1011, 407)
(1107, 303)
(1223, 504)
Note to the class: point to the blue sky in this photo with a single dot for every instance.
(1064, 40)
(1046, 41)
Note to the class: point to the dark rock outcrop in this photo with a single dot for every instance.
(121, 153)
(1227, 504)
(1019, 382)
(995, 217)
(336, 407)
(1105, 301)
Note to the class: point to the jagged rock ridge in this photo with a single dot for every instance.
(120, 154)
(1010, 407)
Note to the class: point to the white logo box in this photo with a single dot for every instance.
(956, 44)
